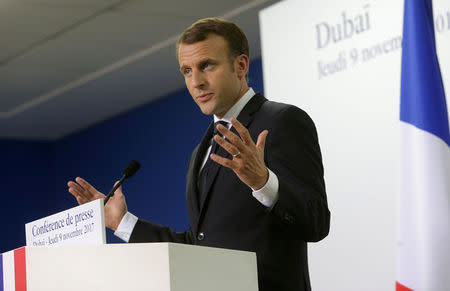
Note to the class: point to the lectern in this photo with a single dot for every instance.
(119, 267)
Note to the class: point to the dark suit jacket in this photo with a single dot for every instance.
(230, 217)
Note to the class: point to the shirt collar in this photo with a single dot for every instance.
(237, 107)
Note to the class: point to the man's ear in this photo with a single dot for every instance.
(242, 63)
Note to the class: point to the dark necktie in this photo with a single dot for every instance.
(209, 165)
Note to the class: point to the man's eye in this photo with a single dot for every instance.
(187, 72)
(206, 65)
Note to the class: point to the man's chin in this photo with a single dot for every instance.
(206, 110)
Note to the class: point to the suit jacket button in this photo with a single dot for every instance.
(289, 218)
(201, 236)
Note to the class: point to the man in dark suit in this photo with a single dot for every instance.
(267, 197)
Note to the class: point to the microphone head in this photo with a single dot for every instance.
(131, 169)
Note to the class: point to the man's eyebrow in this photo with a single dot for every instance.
(182, 68)
(200, 63)
(208, 60)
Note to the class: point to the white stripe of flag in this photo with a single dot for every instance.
(9, 283)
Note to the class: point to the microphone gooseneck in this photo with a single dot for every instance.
(128, 172)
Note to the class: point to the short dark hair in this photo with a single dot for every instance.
(233, 34)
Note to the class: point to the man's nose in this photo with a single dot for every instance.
(198, 79)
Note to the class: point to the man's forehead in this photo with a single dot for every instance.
(213, 46)
(198, 56)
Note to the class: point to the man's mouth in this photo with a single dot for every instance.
(204, 97)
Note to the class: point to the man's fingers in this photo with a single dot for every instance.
(243, 132)
(84, 195)
(85, 184)
(75, 189)
(79, 198)
(261, 143)
(73, 184)
(74, 192)
(118, 191)
(222, 161)
(231, 136)
(230, 148)
(81, 188)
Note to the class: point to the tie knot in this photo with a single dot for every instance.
(224, 123)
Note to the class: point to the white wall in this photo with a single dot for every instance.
(356, 111)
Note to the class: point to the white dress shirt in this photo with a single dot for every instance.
(267, 195)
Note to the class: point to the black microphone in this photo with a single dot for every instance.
(129, 171)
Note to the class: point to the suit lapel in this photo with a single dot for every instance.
(247, 114)
(199, 154)
(215, 167)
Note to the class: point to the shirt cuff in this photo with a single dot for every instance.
(126, 226)
(268, 194)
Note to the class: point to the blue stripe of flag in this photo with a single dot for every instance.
(422, 101)
(1, 273)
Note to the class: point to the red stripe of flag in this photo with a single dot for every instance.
(400, 287)
(20, 270)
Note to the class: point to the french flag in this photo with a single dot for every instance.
(423, 261)
(13, 275)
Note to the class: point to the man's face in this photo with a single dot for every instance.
(213, 80)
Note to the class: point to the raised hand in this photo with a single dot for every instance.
(248, 157)
(115, 209)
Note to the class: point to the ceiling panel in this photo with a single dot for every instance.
(103, 58)
(27, 23)
(175, 8)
